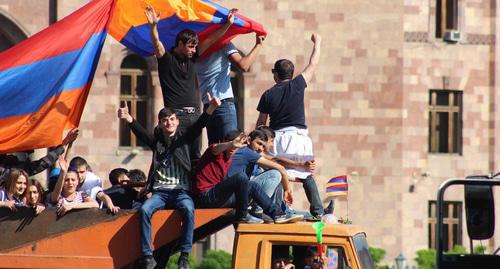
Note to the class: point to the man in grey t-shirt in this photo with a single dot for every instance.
(214, 78)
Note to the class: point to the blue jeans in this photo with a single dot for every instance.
(270, 181)
(235, 191)
(221, 122)
(172, 199)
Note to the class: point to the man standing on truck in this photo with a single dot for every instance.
(176, 70)
(214, 77)
(169, 175)
(284, 105)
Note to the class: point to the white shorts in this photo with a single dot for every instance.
(294, 144)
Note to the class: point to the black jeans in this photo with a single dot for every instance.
(234, 192)
(185, 120)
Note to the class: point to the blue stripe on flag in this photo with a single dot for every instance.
(48, 78)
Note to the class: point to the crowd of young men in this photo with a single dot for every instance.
(237, 170)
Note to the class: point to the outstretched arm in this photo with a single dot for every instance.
(314, 59)
(239, 142)
(209, 41)
(101, 196)
(153, 19)
(246, 61)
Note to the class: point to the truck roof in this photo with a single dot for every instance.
(305, 228)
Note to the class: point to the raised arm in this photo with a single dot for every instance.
(136, 128)
(195, 129)
(38, 166)
(246, 61)
(287, 195)
(153, 19)
(314, 59)
(56, 192)
(209, 41)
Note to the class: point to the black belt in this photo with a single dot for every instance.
(187, 109)
(228, 100)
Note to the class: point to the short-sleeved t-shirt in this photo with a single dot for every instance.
(244, 160)
(92, 185)
(213, 73)
(178, 81)
(4, 197)
(210, 170)
(284, 103)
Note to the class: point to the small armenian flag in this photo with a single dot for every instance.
(337, 186)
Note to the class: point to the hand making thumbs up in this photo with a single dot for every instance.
(123, 112)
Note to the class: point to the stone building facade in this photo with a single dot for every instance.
(405, 96)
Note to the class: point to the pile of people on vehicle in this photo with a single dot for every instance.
(249, 172)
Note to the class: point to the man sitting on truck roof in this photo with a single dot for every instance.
(169, 175)
(248, 159)
(214, 188)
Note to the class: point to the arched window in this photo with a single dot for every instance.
(10, 33)
(135, 86)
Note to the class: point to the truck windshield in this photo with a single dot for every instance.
(362, 249)
(307, 256)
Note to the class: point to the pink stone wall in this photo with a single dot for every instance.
(366, 106)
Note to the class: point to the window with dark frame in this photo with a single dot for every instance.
(445, 121)
(452, 224)
(134, 89)
(446, 16)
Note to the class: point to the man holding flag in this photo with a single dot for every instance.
(177, 73)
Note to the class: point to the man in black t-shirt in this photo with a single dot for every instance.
(177, 74)
(284, 105)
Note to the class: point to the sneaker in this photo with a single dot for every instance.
(313, 217)
(249, 219)
(147, 262)
(183, 261)
(267, 219)
(287, 209)
(256, 210)
(287, 218)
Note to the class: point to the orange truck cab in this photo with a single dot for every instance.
(260, 245)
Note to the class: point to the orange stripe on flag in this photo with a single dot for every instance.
(336, 185)
(43, 128)
(336, 193)
(129, 13)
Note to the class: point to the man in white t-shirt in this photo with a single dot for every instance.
(90, 183)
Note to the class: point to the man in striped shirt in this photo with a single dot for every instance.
(168, 179)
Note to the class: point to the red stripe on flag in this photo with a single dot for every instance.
(73, 31)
